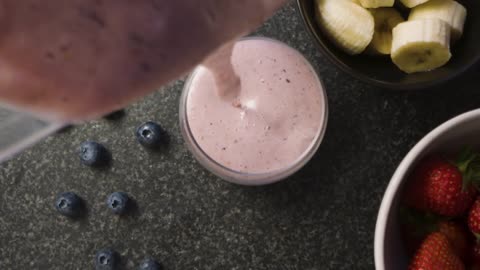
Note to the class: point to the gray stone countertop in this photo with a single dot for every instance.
(321, 218)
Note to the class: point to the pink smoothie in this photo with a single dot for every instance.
(273, 120)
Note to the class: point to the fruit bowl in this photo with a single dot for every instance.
(380, 70)
(390, 252)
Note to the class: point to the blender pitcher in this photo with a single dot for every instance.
(81, 59)
(19, 130)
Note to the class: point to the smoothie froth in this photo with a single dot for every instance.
(273, 121)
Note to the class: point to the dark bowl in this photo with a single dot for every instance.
(381, 71)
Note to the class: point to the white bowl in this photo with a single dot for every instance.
(451, 136)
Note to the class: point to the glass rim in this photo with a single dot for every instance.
(245, 178)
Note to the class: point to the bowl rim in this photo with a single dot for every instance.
(382, 83)
(399, 176)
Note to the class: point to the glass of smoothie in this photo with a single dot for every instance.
(265, 129)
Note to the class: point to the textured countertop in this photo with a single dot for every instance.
(321, 218)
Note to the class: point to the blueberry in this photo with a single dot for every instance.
(150, 134)
(150, 264)
(94, 154)
(116, 115)
(118, 202)
(107, 259)
(69, 204)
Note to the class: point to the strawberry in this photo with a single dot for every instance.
(436, 253)
(416, 225)
(415, 189)
(474, 218)
(458, 236)
(442, 187)
(476, 254)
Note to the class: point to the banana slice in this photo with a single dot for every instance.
(347, 24)
(385, 20)
(376, 3)
(421, 45)
(412, 3)
(449, 11)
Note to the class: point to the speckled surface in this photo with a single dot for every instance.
(321, 218)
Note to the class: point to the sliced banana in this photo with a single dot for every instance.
(413, 3)
(347, 24)
(449, 11)
(385, 20)
(421, 45)
(376, 3)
